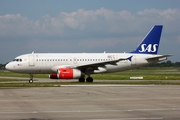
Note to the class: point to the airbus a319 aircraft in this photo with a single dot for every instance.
(78, 65)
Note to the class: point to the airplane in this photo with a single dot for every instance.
(78, 65)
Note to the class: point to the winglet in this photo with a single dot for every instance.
(150, 44)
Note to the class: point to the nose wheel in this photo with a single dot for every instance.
(31, 78)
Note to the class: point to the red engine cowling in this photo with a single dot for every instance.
(68, 73)
(53, 76)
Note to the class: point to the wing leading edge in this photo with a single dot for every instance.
(100, 65)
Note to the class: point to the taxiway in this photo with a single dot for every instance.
(123, 102)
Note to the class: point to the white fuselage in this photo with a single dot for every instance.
(48, 63)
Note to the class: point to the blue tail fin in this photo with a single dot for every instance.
(150, 44)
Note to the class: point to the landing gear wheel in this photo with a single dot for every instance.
(31, 78)
(31, 81)
(89, 79)
(81, 79)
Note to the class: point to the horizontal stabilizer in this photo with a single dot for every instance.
(158, 58)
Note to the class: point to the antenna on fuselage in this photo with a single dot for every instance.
(33, 52)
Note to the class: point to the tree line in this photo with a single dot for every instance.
(161, 64)
(166, 64)
(2, 66)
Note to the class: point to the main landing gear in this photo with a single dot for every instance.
(31, 78)
(81, 79)
(88, 79)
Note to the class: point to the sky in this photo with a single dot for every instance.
(86, 26)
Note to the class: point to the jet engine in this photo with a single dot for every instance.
(53, 76)
(66, 73)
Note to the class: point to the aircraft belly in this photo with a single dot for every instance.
(36, 70)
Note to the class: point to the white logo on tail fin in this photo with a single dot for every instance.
(148, 48)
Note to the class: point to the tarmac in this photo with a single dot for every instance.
(25, 80)
(94, 102)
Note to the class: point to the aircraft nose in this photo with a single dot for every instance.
(8, 66)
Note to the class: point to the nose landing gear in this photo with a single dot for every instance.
(31, 78)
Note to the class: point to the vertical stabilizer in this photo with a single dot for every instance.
(150, 44)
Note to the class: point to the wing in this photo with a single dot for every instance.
(90, 67)
(95, 66)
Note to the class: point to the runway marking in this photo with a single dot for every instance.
(90, 111)
(155, 118)
(107, 85)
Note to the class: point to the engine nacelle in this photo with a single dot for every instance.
(53, 76)
(68, 73)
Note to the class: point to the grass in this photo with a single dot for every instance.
(26, 84)
(58, 84)
(148, 73)
(151, 75)
(145, 76)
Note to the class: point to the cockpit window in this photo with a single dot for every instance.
(17, 60)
